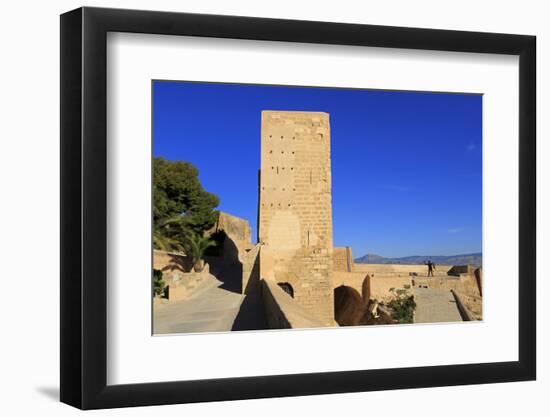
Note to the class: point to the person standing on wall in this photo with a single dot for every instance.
(431, 267)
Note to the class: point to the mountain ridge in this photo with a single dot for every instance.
(475, 258)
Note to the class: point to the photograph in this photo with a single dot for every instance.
(268, 205)
(296, 207)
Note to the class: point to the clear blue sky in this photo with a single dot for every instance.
(406, 166)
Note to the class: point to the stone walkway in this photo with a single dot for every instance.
(435, 306)
(214, 310)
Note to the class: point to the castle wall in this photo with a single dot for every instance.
(399, 269)
(372, 287)
(238, 236)
(236, 228)
(295, 207)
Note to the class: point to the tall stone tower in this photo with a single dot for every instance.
(295, 206)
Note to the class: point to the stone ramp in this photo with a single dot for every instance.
(435, 306)
(213, 310)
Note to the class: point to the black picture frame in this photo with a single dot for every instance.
(84, 207)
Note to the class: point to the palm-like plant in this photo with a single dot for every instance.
(195, 246)
(162, 241)
(166, 243)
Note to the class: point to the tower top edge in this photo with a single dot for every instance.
(293, 112)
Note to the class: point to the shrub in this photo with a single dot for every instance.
(158, 282)
(402, 305)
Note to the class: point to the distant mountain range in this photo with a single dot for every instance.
(469, 258)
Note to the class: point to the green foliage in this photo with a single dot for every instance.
(158, 282)
(181, 206)
(402, 305)
(195, 246)
(162, 242)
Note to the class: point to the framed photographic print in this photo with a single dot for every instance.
(258, 207)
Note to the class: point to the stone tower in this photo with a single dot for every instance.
(295, 207)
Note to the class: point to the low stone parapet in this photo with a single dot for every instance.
(462, 283)
(186, 285)
(464, 311)
(251, 271)
(170, 262)
(370, 287)
(400, 269)
(379, 288)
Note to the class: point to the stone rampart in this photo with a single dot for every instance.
(399, 269)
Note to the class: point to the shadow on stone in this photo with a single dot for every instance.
(225, 264)
(251, 315)
(350, 309)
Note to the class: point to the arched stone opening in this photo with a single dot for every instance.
(286, 287)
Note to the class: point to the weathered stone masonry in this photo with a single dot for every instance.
(295, 207)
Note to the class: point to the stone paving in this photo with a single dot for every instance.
(435, 306)
(214, 310)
